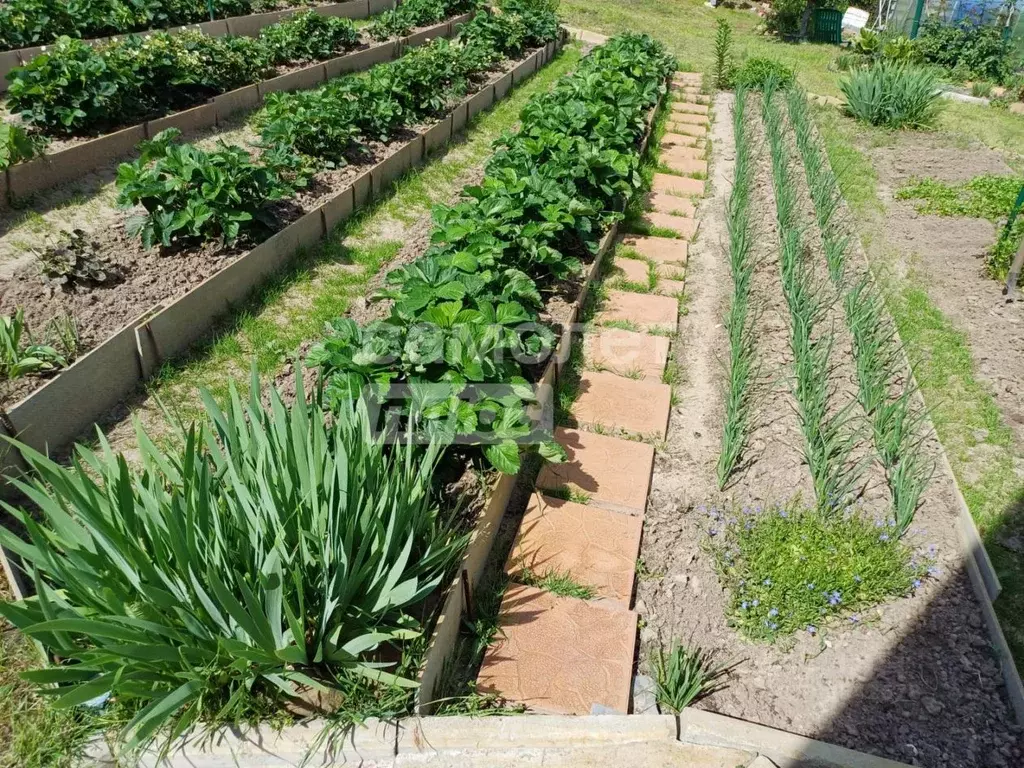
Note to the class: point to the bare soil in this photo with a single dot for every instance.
(947, 254)
(914, 680)
(157, 276)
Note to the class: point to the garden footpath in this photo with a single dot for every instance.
(557, 653)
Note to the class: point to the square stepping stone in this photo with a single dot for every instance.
(662, 250)
(689, 167)
(698, 131)
(662, 202)
(690, 106)
(677, 185)
(686, 117)
(676, 152)
(680, 140)
(688, 77)
(668, 287)
(681, 225)
(642, 310)
(596, 547)
(615, 402)
(626, 353)
(560, 655)
(614, 473)
(633, 270)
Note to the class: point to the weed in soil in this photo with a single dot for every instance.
(792, 568)
(684, 676)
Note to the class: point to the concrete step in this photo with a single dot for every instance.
(677, 185)
(673, 205)
(686, 129)
(672, 139)
(630, 270)
(667, 252)
(684, 226)
(691, 107)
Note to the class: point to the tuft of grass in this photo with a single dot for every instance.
(792, 569)
(568, 493)
(560, 583)
(684, 676)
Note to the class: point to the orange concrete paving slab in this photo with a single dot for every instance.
(677, 185)
(596, 547)
(679, 140)
(681, 225)
(675, 152)
(689, 167)
(559, 654)
(690, 107)
(685, 117)
(614, 473)
(667, 287)
(641, 309)
(633, 270)
(662, 250)
(662, 202)
(615, 402)
(687, 130)
(626, 352)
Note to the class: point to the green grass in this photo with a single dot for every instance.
(794, 569)
(559, 583)
(684, 676)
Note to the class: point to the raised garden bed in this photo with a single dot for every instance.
(909, 674)
(146, 320)
(68, 160)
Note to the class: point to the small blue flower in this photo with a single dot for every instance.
(743, 582)
(767, 582)
(713, 531)
(783, 513)
(884, 537)
(835, 598)
(773, 613)
(857, 578)
(916, 584)
(811, 629)
(756, 603)
(934, 571)
(879, 523)
(854, 618)
(810, 585)
(743, 605)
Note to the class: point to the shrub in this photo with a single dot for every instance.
(756, 72)
(234, 569)
(723, 56)
(969, 51)
(790, 569)
(893, 95)
(191, 193)
(16, 145)
(32, 22)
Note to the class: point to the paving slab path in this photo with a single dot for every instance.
(555, 652)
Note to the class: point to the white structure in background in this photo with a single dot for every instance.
(855, 19)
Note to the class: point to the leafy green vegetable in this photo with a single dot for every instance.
(191, 193)
(20, 356)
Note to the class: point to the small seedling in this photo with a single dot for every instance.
(684, 676)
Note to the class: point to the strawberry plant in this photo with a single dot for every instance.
(191, 193)
(33, 22)
(308, 36)
(414, 13)
(463, 330)
(17, 144)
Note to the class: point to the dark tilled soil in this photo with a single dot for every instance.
(914, 680)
